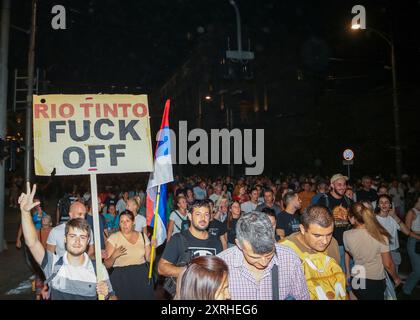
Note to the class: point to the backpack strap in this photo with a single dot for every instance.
(347, 201)
(56, 268)
(327, 200)
(182, 220)
(184, 255)
(275, 282)
(144, 242)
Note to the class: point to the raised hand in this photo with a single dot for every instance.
(26, 199)
(119, 251)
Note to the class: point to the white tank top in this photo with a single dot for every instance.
(415, 225)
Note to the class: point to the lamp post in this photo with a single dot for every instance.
(396, 108)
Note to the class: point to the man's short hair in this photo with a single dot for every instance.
(316, 214)
(253, 189)
(255, 227)
(78, 223)
(268, 190)
(200, 204)
(288, 197)
(270, 212)
(364, 178)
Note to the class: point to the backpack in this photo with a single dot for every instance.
(185, 224)
(324, 277)
(56, 268)
(170, 282)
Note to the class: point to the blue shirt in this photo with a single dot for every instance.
(112, 222)
(316, 197)
(38, 220)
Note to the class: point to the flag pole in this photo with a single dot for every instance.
(152, 253)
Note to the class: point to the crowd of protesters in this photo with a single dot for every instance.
(229, 238)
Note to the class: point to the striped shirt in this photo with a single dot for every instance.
(73, 282)
(243, 286)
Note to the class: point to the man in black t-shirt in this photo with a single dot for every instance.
(338, 204)
(288, 221)
(194, 242)
(367, 193)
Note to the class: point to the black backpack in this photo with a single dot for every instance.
(185, 224)
(170, 282)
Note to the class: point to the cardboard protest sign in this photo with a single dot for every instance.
(82, 134)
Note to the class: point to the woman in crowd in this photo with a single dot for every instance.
(112, 219)
(140, 223)
(240, 194)
(189, 196)
(205, 278)
(233, 217)
(368, 244)
(128, 251)
(226, 192)
(178, 220)
(412, 220)
(392, 223)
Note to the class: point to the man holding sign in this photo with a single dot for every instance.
(72, 276)
(90, 135)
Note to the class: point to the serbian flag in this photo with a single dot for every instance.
(161, 175)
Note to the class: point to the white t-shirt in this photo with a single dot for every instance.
(397, 196)
(214, 197)
(121, 205)
(415, 225)
(140, 223)
(177, 221)
(56, 238)
(392, 227)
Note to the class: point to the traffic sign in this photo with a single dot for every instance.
(348, 154)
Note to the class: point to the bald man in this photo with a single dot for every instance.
(55, 241)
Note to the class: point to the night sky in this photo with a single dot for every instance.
(136, 46)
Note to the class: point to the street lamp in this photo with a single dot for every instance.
(398, 153)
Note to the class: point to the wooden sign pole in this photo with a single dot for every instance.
(96, 230)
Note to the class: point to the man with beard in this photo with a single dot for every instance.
(288, 221)
(196, 241)
(72, 276)
(338, 204)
